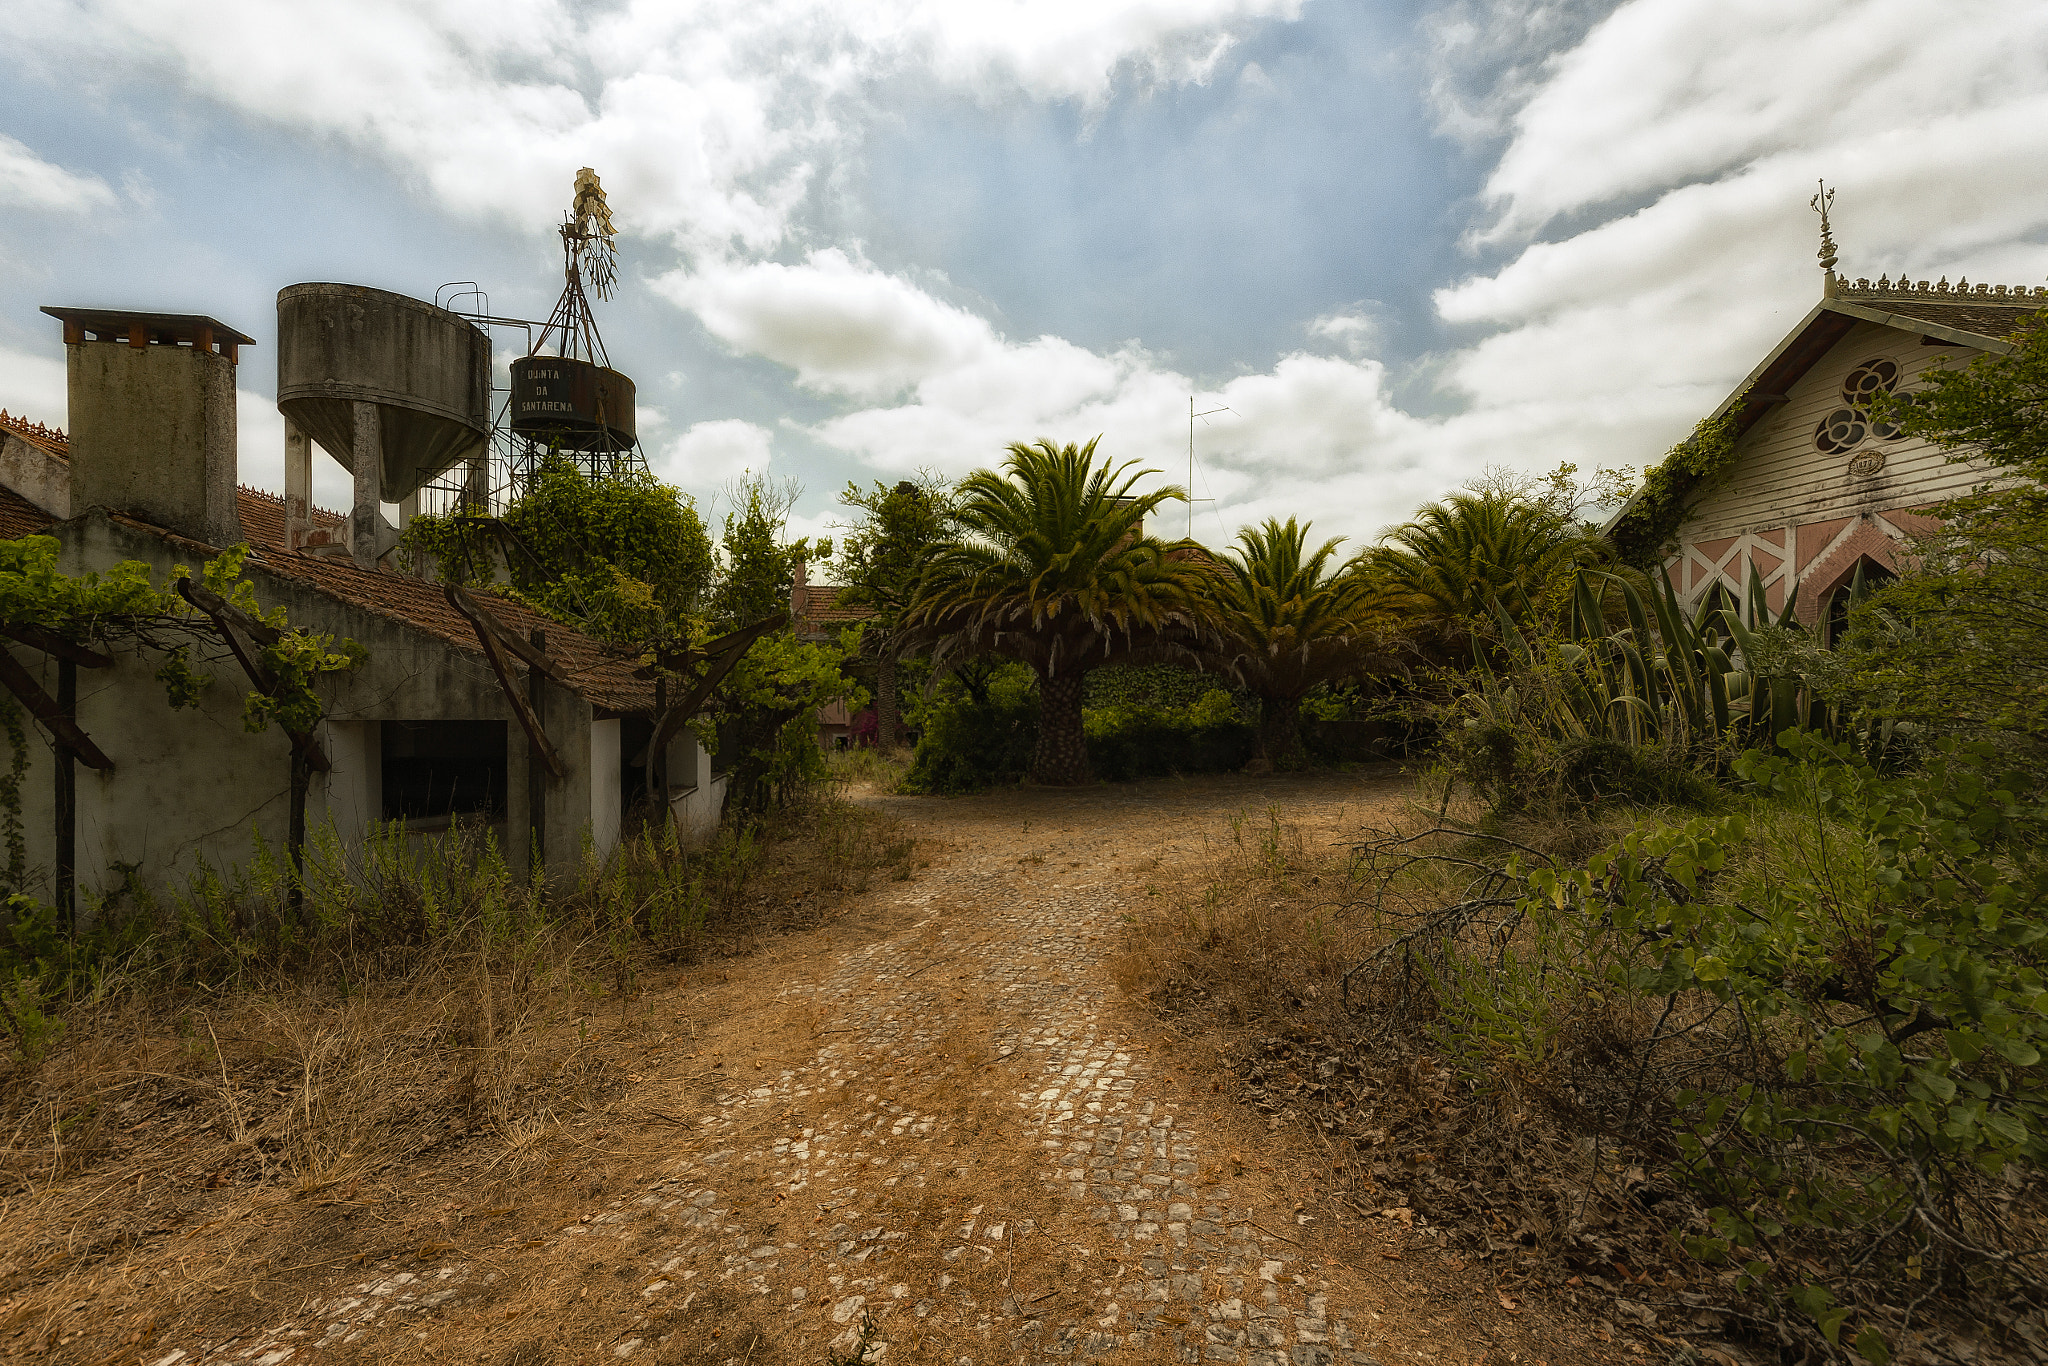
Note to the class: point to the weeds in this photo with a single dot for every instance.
(1662, 1076)
(209, 1052)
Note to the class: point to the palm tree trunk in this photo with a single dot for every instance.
(1280, 744)
(1061, 757)
(886, 716)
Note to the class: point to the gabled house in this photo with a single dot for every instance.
(1816, 488)
(468, 709)
(817, 617)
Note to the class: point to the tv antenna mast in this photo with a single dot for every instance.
(1192, 500)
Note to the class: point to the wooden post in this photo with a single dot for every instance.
(657, 759)
(536, 772)
(295, 895)
(67, 799)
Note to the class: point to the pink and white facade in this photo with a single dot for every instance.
(1816, 488)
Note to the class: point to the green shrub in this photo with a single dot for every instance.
(976, 733)
(1884, 956)
(1129, 742)
(973, 739)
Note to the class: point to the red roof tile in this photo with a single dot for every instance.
(19, 517)
(600, 675)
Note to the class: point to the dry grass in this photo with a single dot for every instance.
(1351, 1110)
(1551, 1173)
(185, 1160)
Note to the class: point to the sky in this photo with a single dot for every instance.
(1391, 243)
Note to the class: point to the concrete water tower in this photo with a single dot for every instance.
(395, 389)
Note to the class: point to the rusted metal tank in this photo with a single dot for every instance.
(428, 371)
(572, 404)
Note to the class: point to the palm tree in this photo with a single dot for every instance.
(1462, 555)
(1055, 571)
(1285, 622)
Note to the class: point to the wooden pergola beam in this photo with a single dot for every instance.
(719, 656)
(44, 708)
(243, 633)
(36, 638)
(496, 652)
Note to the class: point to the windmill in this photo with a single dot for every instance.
(566, 398)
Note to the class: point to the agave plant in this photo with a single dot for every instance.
(1055, 571)
(1694, 685)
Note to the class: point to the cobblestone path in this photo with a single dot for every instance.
(973, 1164)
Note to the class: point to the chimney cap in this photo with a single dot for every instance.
(163, 329)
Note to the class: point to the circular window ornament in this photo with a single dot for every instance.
(1843, 430)
(1866, 462)
(1866, 382)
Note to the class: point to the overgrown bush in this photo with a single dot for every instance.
(1821, 1020)
(980, 733)
(1211, 736)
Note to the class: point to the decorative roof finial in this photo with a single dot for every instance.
(1820, 204)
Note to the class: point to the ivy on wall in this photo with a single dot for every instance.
(1646, 529)
(124, 610)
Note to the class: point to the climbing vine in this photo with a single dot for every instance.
(1643, 532)
(124, 609)
(10, 793)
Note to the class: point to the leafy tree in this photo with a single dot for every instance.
(1460, 556)
(1054, 571)
(756, 566)
(767, 706)
(624, 558)
(1287, 621)
(882, 560)
(1960, 643)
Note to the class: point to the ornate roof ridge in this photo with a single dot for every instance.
(35, 429)
(1962, 291)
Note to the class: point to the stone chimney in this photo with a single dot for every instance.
(153, 418)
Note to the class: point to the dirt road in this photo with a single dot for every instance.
(930, 1133)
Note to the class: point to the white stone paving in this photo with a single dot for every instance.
(1182, 1259)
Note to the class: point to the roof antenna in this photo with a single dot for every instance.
(1820, 204)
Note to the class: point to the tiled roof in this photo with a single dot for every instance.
(600, 676)
(19, 517)
(48, 439)
(262, 515)
(818, 603)
(1983, 319)
(603, 678)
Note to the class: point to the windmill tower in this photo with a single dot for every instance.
(566, 399)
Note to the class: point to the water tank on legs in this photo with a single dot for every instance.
(425, 372)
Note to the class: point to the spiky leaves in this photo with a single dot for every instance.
(1461, 556)
(1054, 570)
(1287, 621)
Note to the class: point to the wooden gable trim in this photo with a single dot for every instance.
(1953, 336)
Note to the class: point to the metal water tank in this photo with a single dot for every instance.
(573, 404)
(428, 371)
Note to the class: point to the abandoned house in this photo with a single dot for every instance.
(1816, 488)
(817, 617)
(469, 708)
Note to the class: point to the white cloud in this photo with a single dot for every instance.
(29, 182)
(711, 453)
(1682, 90)
(709, 121)
(843, 327)
(33, 386)
(1357, 331)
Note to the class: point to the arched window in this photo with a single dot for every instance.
(1834, 619)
